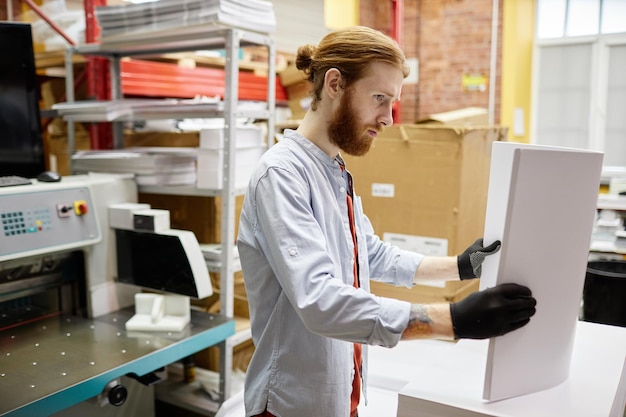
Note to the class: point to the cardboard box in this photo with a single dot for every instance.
(469, 116)
(299, 90)
(200, 214)
(156, 138)
(291, 75)
(427, 181)
(58, 153)
(299, 106)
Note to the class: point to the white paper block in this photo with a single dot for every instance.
(155, 312)
(541, 205)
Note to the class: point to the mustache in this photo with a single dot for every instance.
(377, 128)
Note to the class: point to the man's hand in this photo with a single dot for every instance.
(471, 260)
(492, 312)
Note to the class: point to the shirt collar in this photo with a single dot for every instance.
(312, 148)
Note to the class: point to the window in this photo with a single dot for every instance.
(615, 125)
(613, 16)
(566, 18)
(579, 93)
(565, 95)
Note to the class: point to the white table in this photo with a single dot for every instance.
(443, 379)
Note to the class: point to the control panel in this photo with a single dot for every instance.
(37, 220)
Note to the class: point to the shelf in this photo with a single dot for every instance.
(161, 79)
(126, 110)
(199, 396)
(194, 396)
(183, 39)
(216, 266)
(189, 190)
(611, 202)
(134, 77)
(597, 246)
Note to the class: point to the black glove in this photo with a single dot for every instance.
(492, 312)
(470, 262)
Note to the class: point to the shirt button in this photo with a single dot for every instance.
(342, 189)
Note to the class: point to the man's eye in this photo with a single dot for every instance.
(379, 97)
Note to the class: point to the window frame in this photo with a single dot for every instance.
(600, 52)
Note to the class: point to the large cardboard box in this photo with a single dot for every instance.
(291, 75)
(299, 106)
(58, 153)
(426, 186)
(299, 90)
(202, 215)
(468, 116)
(157, 138)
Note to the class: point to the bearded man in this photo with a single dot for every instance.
(308, 251)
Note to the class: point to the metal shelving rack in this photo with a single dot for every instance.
(208, 37)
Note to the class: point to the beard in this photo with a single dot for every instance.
(345, 129)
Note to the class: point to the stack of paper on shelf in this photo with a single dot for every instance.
(98, 110)
(606, 226)
(249, 148)
(620, 240)
(213, 251)
(151, 166)
(167, 15)
(129, 109)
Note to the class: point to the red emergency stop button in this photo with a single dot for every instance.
(80, 207)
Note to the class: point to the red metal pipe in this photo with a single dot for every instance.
(397, 12)
(398, 17)
(101, 134)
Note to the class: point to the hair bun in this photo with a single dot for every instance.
(304, 57)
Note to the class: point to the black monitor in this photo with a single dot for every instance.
(21, 143)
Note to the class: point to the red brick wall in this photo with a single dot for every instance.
(449, 38)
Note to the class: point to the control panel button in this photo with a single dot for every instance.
(80, 207)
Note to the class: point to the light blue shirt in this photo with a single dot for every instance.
(297, 255)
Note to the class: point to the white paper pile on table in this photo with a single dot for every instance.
(164, 15)
(151, 166)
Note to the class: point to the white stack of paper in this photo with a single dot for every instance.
(151, 166)
(249, 148)
(213, 251)
(620, 241)
(119, 21)
(129, 109)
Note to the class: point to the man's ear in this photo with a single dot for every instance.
(333, 82)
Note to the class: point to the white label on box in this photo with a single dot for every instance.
(383, 190)
(430, 246)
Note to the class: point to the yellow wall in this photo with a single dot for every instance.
(341, 13)
(518, 28)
